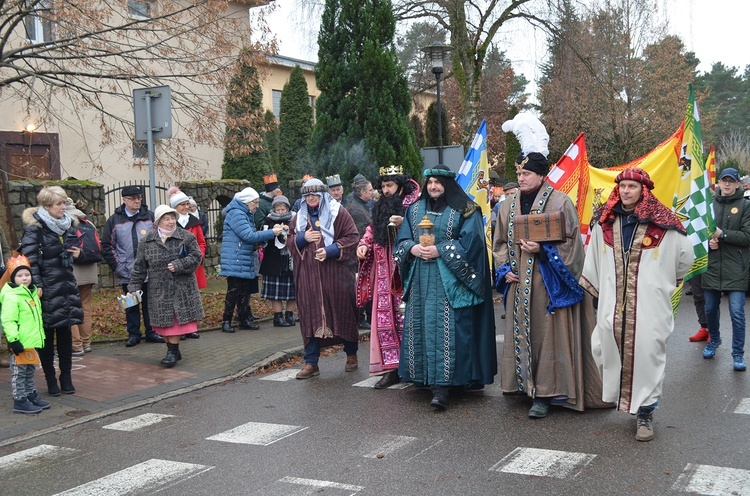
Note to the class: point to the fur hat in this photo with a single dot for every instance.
(176, 196)
(247, 195)
(161, 210)
(17, 263)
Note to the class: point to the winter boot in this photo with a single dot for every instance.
(226, 326)
(25, 406)
(279, 320)
(52, 388)
(37, 401)
(171, 359)
(66, 383)
(289, 316)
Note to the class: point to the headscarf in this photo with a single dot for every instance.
(328, 210)
(648, 208)
(454, 196)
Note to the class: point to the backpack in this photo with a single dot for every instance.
(87, 239)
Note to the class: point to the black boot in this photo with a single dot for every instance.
(279, 320)
(66, 383)
(173, 351)
(289, 317)
(249, 324)
(363, 324)
(52, 388)
(226, 326)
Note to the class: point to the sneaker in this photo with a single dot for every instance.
(539, 409)
(701, 335)
(37, 401)
(710, 350)
(25, 406)
(87, 349)
(645, 429)
(308, 371)
(78, 353)
(739, 364)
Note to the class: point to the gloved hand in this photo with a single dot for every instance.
(16, 347)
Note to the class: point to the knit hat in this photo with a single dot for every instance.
(176, 196)
(70, 207)
(313, 186)
(192, 201)
(247, 195)
(131, 191)
(636, 174)
(280, 199)
(161, 210)
(17, 263)
(270, 182)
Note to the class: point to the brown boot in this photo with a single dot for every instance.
(308, 371)
(351, 363)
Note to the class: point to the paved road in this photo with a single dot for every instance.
(333, 434)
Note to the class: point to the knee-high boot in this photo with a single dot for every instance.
(47, 358)
(65, 359)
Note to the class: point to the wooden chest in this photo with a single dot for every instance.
(544, 227)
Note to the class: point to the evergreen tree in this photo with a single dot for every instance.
(295, 127)
(363, 110)
(431, 126)
(245, 156)
(416, 125)
(271, 140)
(512, 149)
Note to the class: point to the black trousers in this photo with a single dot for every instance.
(133, 315)
(64, 351)
(238, 295)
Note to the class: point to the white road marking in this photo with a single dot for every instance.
(318, 484)
(145, 478)
(258, 433)
(743, 407)
(544, 463)
(138, 422)
(500, 338)
(370, 382)
(282, 376)
(23, 459)
(713, 481)
(390, 444)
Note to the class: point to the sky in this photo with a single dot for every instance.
(714, 29)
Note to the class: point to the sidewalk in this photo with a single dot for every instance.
(114, 378)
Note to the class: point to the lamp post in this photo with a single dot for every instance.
(437, 53)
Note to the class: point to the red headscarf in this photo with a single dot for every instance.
(648, 208)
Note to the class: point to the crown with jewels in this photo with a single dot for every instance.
(392, 170)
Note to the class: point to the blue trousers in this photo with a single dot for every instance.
(736, 314)
(312, 350)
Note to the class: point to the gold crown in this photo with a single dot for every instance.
(392, 170)
(16, 262)
(271, 178)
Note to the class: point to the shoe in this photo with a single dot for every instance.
(710, 350)
(193, 335)
(249, 324)
(66, 384)
(739, 364)
(52, 388)
(645, 427)
(701, 335)
(363, 324)
(226, 326)
(279, 320)
(132, 341)
(289, 316)
(78, 353)
(689, 292)
(173, 351)
(351, 363)
(388, 380)
(183, 337)
(154, 338)
(87, 349)
(439, 399)
(308, 370)
(37, 401)
(539, 409)
(25, 406)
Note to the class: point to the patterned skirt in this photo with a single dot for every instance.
(278, 288)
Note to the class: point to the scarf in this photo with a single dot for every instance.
(328, 210)
(165, 234)
(182, 219)
(57, 226)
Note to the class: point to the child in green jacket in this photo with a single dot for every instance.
(21, 316)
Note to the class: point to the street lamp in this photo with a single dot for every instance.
(437, 53)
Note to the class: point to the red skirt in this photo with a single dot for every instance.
(176, 329)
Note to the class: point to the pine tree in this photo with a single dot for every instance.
(363, 110)
(295, 127)
(431, 134)
(245, 156)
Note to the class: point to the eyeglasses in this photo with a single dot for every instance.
(184, 204)
(727, 180)
(132, 198)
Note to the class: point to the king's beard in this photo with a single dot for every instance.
(384, 208)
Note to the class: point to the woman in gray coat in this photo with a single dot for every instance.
(168, 257)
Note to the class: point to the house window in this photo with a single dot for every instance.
(37, 24)
(140, 9)
(276, 103)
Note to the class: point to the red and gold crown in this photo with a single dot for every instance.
(271, 178)
(392, 170)
(16, 263)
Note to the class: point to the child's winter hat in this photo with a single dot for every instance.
(17, 263)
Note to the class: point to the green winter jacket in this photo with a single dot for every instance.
(729, 266)
(22, 315)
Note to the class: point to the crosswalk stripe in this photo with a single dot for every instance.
(500, 338)
(370, 382)
(543, 463)
(144, 477)
(743, 407)
(138, 422)
(257, 433)
(22, 459)
(321, 484)
(713, 481)
(390, 444)
(283, 376)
